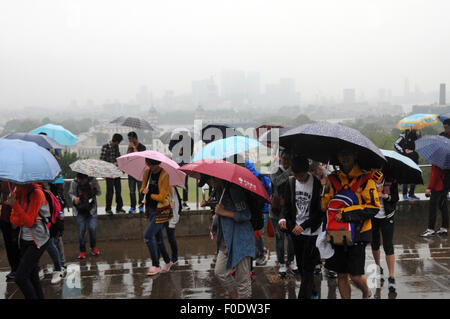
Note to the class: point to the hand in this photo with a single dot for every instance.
(203, 203)
(282, 225)
(219, 209)
(38, 220)
(11, 200)
(428, 192)
(338, 217)
(408, 151)
(297, 230)
(145, 191)
(115, 164)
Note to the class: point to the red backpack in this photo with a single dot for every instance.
(54, 223)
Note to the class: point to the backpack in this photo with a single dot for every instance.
(343, 233)
(54, 223)
(87, 199)
(256, 206)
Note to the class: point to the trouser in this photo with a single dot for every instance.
(186, 190)
(54, 254)
(260, 243)
(132, 183)
(172, 241)
(154, 239)
(242, 281)
(113, 184)
(308, 257)
(385, 227)
(11, 237)
(90, 221)
(438, 199)
(412, 187)
(27, 274)
(279, 243)
(60, 245)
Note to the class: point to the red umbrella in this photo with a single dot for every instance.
(229, 172)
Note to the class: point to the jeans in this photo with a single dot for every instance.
(260, 243)
(279, 243)
(438, 199)
(27, 274)
(172, 241)
(111, 185)
(60, 245)
(54, 255)
(132, 183)
(412, 187)
(154, 239)
(91, 222)
(11, 237)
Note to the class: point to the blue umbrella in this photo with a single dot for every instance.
(402, 168)
(323, 141)
(24, 162)
(58, 133)
(41, 140)
(435, 150)
(225, 148)
(444, 116)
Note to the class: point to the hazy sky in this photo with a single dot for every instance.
(54, 51)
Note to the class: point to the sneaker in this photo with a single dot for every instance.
(318, 269)
(413, 197)
(331, 274)
(261, 261)
(185, 206)
(82, 255)
(252, 276)
(109, 212)
(167, 267)
(428, 233)
(282, 270)
(120, 211)
(442, 232)
(391, 285)
(132, 210)
(405, 197)
(293, 267)
(94, 251)
(141, 209)
(154, 271)
(57, 277)
(11, 276)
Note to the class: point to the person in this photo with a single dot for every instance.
(135, 146)
(110, 152)
(235, 239)
(9, 231)
(171, 225)
(349, 261)
(302, 217)
(438, 198)
(383, 223)
(29, 208)
(406, 146)
(156, 188)
(262, 252)
(83, 192)
(446, 125)
(279, 181)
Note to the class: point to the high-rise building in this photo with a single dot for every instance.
(442, 94)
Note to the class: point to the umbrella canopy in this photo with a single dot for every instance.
(213, 132)
(402, 168)
(229, 172)
(417, 121)
(41, 140)
(136, 123)
(435, 149)
(134, 165)
(120, 119)
(96, 168)
(227, 147)
(323, 141)
(24, 162)
(58, 133)
(444, 116)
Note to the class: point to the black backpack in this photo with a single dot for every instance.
(256, 206)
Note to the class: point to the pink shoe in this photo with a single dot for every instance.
(168, 266)
(154, 271)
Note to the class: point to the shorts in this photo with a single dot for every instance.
(348, 260)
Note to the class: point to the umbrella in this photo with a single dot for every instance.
(25, 162)
(96, 168)
(229, 172)
(58, 133)
(175, 134)
(134, 165)
(120, 119)
(435, 150)
(227, 147)
(41, 140)
(136, 123)
(323, 141)
(213, 132)
(443, 117)
(417, 121)
(402, 168)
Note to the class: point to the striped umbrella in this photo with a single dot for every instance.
(417, 121)
(435, 150)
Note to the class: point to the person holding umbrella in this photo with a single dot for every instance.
(135, 146)
(446, 124)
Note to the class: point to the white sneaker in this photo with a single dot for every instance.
(293, 267)
(282, 270)
(57, 277)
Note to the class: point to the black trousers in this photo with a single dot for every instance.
(438, 199)
(113, 184)
(385, 227)
(307, 256)
(11, 237)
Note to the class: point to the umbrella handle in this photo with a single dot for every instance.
(223, 192)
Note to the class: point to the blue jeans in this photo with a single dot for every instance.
(91, 222)
(279, 243)
(54, 254)
(154, 239)
(412, 187)
(260, 243)
(132, 183)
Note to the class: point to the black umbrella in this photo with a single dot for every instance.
(323, 141)
(402, 168)
(136, 123)
(212, 132)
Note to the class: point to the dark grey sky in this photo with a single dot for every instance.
(54, 51)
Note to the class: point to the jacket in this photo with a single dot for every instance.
(369, 203)
(390, 202)
(436, 182)
(74, 193)
(163, 198)
(406, 141)
(289, 209)
(263, 179)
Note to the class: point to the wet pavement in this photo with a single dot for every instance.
(422, 272)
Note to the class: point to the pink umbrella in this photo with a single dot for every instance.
(134, 164)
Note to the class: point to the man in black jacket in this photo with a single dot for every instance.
(301, 216)
(406, 145)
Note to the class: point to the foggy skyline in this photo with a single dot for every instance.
(56, 51)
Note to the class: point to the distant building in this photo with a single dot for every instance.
(442, 94)
(153, 117)
(205, 92)
(200, 113)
